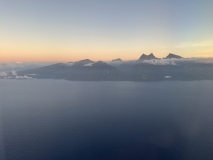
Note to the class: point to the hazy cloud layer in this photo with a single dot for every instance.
(175, 61)
(18, 66)
(117, 63)
(23, 77)
(165, 61)
(3, 74)
(13, 75)
(160, 62)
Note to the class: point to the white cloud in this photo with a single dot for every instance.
(15, 76)
(3, 74)
(167, 77)
(161, 61)
(175, 61)
(14, 73)
(88, 64)
(23, 77)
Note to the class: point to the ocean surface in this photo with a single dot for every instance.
(64, 120)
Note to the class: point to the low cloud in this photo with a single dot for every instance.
(202, 60)
(3, 74)
(160, 61)
(18, 66)
(176, 61)
(23, 77)
(14, 73)
(88, 65)
(167, 77)
(70, 64)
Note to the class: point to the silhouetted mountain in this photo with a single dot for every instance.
(170, 56)
(117, 60)
(84, 70)
(141, 70)
(147, 57)
(126, 66)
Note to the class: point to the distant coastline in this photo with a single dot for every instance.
(147, 68)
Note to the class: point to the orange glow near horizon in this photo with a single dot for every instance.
(72, 57)
(34, 54)
(29, 47)
(64, 31)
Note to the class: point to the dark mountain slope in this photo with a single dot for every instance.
(187, 71)
(81, 70)
(117, 60)
(170, 56)
(147, 57)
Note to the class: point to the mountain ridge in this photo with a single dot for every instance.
(147, 57)
(147, 69)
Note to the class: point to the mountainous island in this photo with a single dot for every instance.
(146, 68)
(170, 56)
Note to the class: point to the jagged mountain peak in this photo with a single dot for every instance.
(147, 57)
(171, 55)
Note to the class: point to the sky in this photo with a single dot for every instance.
(71, 30)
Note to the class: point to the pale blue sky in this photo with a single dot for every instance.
(105, 29)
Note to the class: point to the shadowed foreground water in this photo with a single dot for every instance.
(56, 119)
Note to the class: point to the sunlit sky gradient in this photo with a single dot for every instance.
(70, 30)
